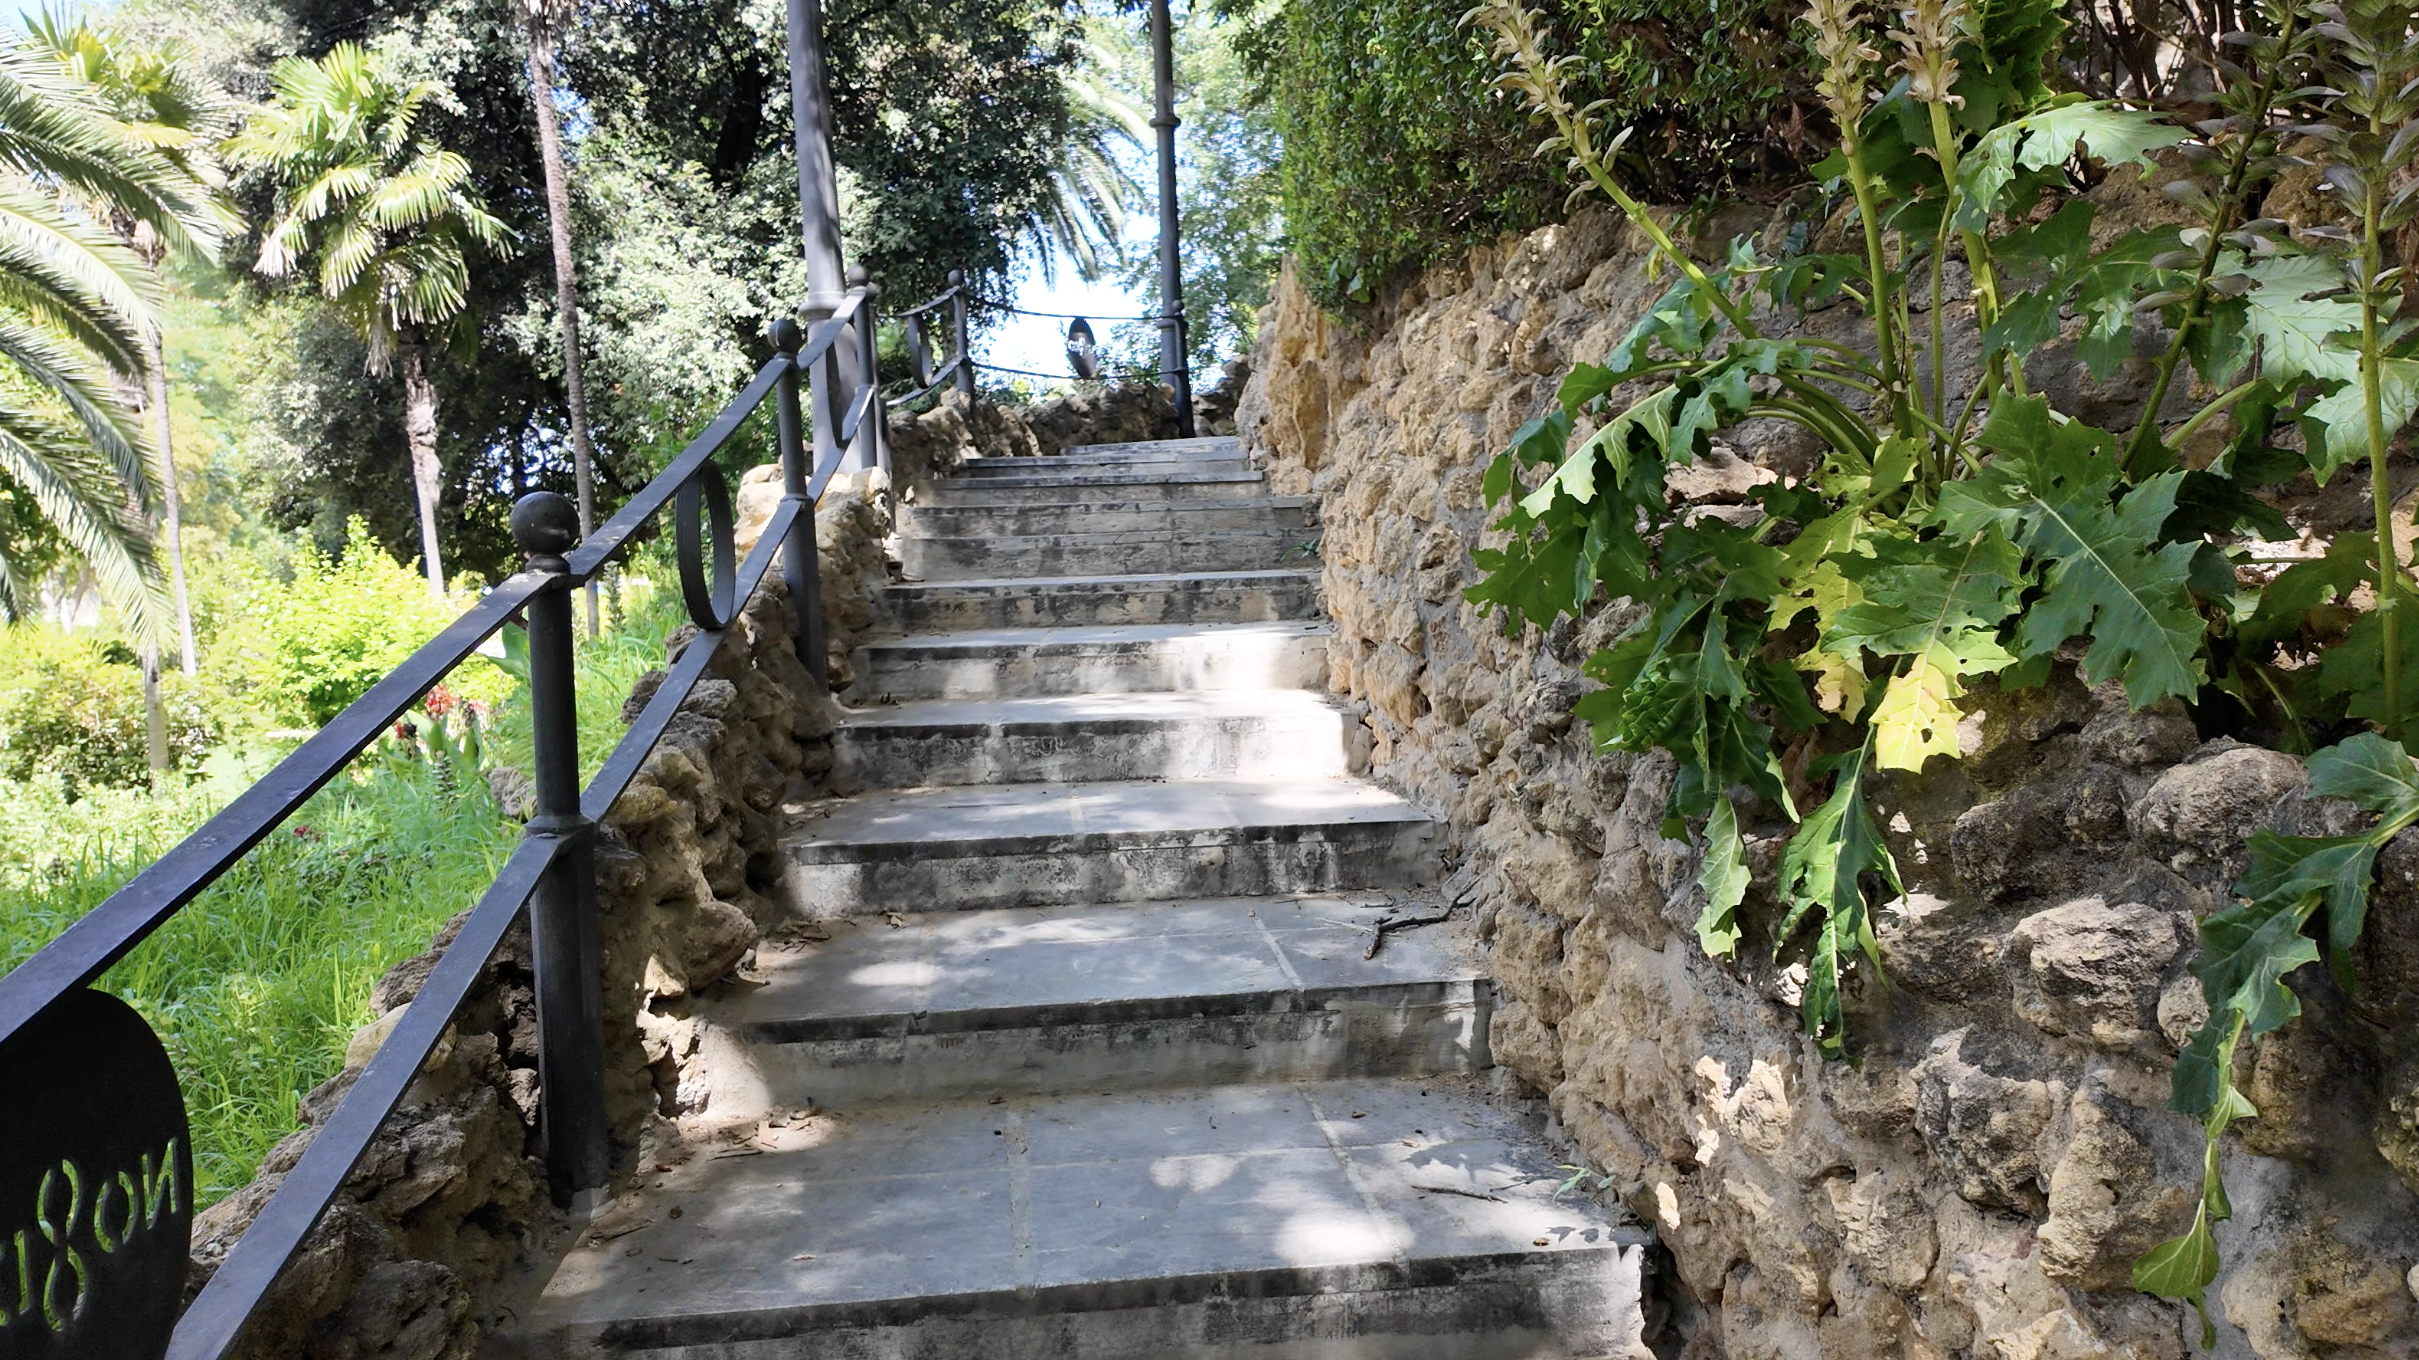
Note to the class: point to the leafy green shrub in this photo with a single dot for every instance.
(1399, 148)
(308, 646)
(73, 707)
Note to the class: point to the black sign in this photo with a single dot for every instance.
(96, 1186)
(1083, 351)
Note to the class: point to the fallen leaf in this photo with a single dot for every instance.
(1360, 1114)
(1544, 1242)
(675, 1212)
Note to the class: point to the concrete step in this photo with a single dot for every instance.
(1087, 464)
(1054, 601)
(1204, 446)
(1055, 487)
(1215, 734)
(967, 1005)
(1008, 663)
(1112, 516)
(1030, 845)
(1369, 1221)
(1122, 552)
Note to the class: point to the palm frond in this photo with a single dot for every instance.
(48, 460)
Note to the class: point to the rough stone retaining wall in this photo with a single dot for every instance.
(451, 1195)
(1978, 1185)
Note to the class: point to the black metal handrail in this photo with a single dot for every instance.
(551, 872)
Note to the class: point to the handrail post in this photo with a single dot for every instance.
(1173, 361)
(562, 918)
(874, 448)
(957, 325)
(799, 567)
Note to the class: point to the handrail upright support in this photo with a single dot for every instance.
(957, 325)
(562, 919)
(873, 447)
(799, 565)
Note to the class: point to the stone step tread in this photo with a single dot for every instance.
(1011, 467)
(1139, 580)
(1108, 538)
(1119, 711)
(1072, 1203)
(953, 972)
(1009, 818)
(1072, 639)
(911, 513)
(1212, 445)
(1078, 480)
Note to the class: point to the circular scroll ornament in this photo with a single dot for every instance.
(96, 1186)
(711, 606)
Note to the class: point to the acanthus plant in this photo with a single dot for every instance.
(1960, 527)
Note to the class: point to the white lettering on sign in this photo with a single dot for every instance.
(79, 1220)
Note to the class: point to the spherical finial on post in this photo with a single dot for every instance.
(857, 275)
(787, 336)
(957, 278)
(545, 524)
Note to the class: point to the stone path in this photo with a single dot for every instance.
(1087, 1054)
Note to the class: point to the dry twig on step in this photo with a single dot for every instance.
(1387, 924)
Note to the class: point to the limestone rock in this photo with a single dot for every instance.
(2204, 809)
(1985, 1129)
(2092, 970)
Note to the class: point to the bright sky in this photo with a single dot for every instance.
(1040, 343)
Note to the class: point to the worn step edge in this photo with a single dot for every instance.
(806, 1029)
(1373, 1282)
(805, 851)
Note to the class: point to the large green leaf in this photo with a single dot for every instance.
(1821, 875)
(2296, 311)
(2052, 489)
(2049, 138)
(1723, 875)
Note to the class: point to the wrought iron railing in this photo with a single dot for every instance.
(96, 1179)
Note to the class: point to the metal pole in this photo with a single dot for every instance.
(873, 448)
(818, 195)
(799, 567)
(1172, 346)
(957, 322)
(562, 915)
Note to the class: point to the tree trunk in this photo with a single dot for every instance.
(420, 428)
(155, 718)
(540, 32)
(172, 529)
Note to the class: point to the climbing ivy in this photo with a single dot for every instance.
(1959, 526)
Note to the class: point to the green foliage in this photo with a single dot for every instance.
(256, 987)
(322, 639)
(2247, 952)
(1833, 632)
(1399, 149)
(72, 709)
(76, 304)
(390, 215)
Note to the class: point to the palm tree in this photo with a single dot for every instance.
(391, 216)
(1092, 191)
(75, 304)
(167, 106)
(541, 21)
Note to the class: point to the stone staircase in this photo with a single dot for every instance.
(1087, 1044)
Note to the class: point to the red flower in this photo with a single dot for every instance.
(440, 701)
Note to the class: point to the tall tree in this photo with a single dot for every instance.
(391, 216)
(541, 20)
(75, 304)
(165, 104)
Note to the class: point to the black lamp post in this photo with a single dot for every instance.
(1172, 346)
(819, 212)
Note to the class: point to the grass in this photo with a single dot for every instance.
(258, 984)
